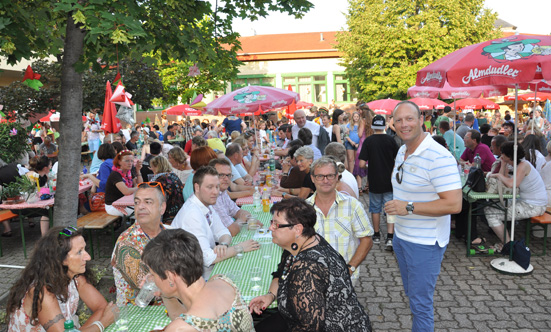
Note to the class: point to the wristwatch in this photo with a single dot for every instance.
(352, 268)
(410, 207)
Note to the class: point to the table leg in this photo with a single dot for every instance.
(469, 229)
(23, 235)
(51, 217)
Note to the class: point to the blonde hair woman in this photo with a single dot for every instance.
(178, 158)
(352, 141)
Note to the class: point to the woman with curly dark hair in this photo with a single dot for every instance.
(48, 290)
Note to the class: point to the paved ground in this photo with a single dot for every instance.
(470, 295)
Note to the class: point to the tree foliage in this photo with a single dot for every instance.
(93, 34)
(387, 42)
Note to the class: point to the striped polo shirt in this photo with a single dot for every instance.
(430, 170)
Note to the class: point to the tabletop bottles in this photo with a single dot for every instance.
(265, 201)
(69, 326)
(257, 200)
(477, 161)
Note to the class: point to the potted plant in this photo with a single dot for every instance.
(18, 191)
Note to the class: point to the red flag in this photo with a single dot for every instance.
(117, 78)
(110, 123)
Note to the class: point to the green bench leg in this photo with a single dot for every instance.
(22, 235)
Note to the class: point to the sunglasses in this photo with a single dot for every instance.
(400, 173)
(277, 226)
(68, 231)
(152, 184)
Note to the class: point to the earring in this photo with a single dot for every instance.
(171, 284)
(294, 246)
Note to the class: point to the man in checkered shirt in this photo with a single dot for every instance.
(341, 219)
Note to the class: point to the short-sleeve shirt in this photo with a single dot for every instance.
(203, 222)
(232, 125)
(485, 154)
(343, 226)
(112, 193)
(430, 170)
(379, 151)
(459, 149)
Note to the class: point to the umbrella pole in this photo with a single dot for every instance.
(454, 144)
(504, 265)
(534, 109)
(515, 148)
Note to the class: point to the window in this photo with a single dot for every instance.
(311, 87)
(243, 81)
(343, 90)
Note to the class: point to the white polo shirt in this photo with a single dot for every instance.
(430, 170)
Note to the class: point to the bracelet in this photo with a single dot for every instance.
(99, 325)
(223, 244)
(272, 294)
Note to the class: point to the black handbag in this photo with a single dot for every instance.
(476, 180)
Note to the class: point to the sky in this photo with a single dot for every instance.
(529, 16)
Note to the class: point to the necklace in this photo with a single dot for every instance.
(291, 259)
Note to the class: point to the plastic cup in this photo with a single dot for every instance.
(239, 250)
(391, 218)
(147, 293)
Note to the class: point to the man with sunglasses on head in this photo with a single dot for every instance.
(198, 217)
(128, 270)
(230, 214)
(341, 219)
(426, 190)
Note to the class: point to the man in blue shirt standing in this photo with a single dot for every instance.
(426, 190)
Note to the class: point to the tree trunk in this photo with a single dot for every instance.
(70, 128)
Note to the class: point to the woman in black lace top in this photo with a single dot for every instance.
(312, 283)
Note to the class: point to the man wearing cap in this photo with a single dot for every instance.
(380, 151)
(445, 117)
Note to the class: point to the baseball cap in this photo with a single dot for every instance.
(378, 122)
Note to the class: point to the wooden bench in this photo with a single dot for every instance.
(95, 221)
(5, 215)
(543, 220)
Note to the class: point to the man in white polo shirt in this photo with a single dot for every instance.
(300, 119)
(426, 190)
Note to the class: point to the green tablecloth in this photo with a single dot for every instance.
(141, 319)
(472, 196)
(242, 267)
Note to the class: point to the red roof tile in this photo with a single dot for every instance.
(289, 42)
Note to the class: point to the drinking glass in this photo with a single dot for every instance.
(147, 293)
(253, 223)
(239, 250)
(255, 274)
(121, 315)
(235, 276)
(266, 249)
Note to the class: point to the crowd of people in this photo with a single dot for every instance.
(185, 177)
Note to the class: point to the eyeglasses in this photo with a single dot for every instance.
(320, 177)
(221, 175)
(68, 231)
(400, 173)
(277, 226)
(152, 184)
